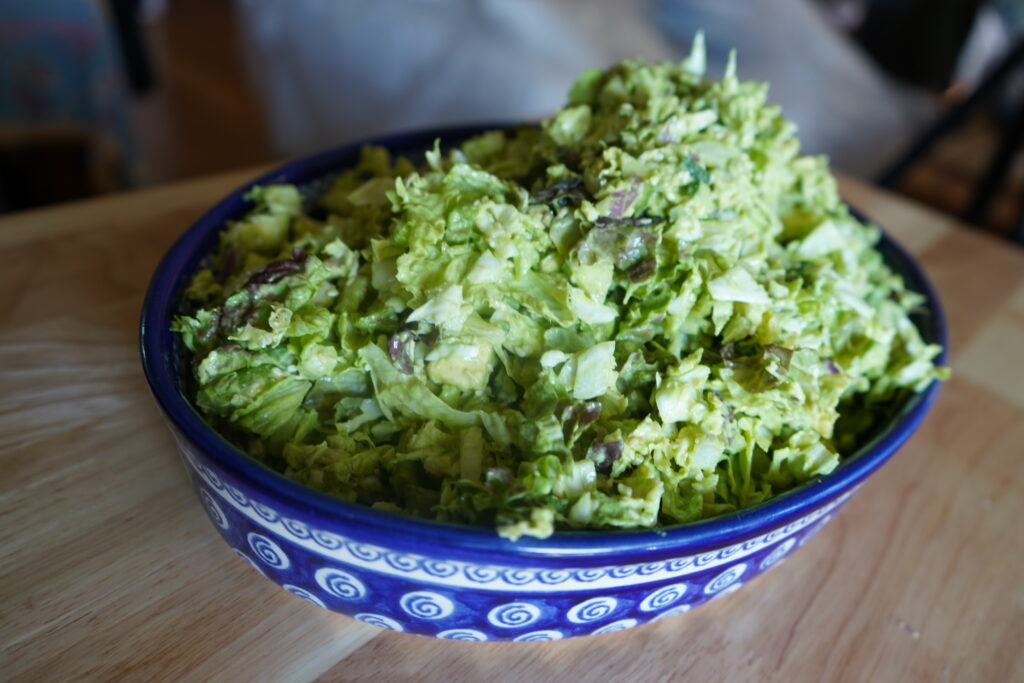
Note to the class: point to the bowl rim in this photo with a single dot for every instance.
(156, 343)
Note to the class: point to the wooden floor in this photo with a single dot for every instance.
(205, 116)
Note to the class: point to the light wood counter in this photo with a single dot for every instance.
(109, 568)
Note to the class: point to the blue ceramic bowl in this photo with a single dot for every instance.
(460, 582)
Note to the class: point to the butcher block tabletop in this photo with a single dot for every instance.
(109, 568)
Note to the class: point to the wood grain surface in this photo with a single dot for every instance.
(109, 568)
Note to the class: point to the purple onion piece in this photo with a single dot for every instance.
(643, 270)
(429, 338)
(400, 349)
(627, 221)
(566, 413)
(275, 270)
(623, 199)
(589, 412)
(605, 454)
(231, 317)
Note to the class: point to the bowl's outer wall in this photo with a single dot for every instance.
(424, 590)
(247, 502)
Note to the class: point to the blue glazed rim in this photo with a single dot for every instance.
(159, 352)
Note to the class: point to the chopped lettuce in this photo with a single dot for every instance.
(649, 309)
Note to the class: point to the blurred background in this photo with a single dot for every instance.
(925, 97)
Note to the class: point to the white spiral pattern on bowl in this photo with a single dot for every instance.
(263, 511)
(304, 594)
(268, 551)
(296, 528)
(379, 620)
(651, 568)
(588, 575)
(537, 636)
(481, 574)
(213, 510)
(594, 609)
(554, 576)
(514, 615)
(623, 571)
(236, 495)
(440, 568)
(402, 562)
(367, 553)
(327, 540)
(426, 605)
(815, 529)
(208, 474)
(620, 625)
(340, 584)
(518, 577)
(462, 634)
(663, 597)
(725, 579)
(730, 551)
(672, 612)
(678, 565)
(776, 556)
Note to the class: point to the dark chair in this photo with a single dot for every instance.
(1011, 138)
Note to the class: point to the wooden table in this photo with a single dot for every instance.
(110, 569)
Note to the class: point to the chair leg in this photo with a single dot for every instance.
(132, 44)
(954, 117)
(995, 175)
(1018, 230)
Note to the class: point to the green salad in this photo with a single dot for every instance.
(646, 310)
